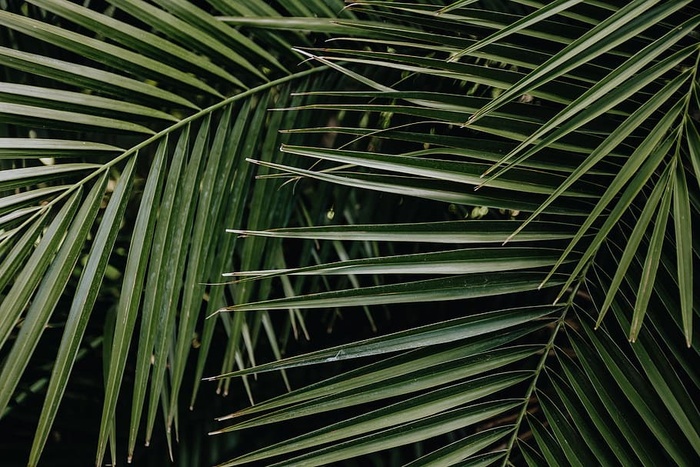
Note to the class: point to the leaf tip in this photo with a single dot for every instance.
(508, 239)
(216, 313)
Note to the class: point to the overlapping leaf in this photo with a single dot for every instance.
(97, 98)
(585, 115)
(623, 123)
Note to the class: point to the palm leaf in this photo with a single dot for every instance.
(572, 403)
(126, 138)
(131, 102)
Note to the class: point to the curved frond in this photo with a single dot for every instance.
(602, 109)
(139, 108)
(514, 184)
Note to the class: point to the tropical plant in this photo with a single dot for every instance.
(127, 126)
(504, 176)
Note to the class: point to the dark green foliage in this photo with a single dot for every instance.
(491, 203)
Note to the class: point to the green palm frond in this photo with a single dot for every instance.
(514, 183)
(147, 108)
(590, 127)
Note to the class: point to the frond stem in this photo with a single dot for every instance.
(540, 366)
(163, 133)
